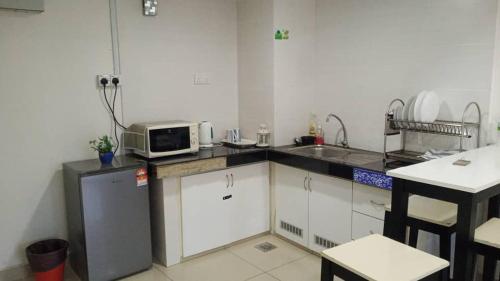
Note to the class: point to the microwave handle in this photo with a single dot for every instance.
(212, 132)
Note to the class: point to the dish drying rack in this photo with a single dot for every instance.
(394, 126)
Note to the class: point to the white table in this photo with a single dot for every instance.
(464, 185)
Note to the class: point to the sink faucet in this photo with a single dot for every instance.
(345, 142)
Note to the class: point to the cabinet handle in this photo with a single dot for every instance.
(232, 180)
(227, 181)
(377, 204)
(309, 184)
(305, 179)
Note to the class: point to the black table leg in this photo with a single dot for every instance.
(326, 270)
(445, 253)
(489, 269)
(489, 262)
(466, 225)
(494, 207)
(399, 212)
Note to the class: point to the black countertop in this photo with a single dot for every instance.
(369, 160)
(357, 162)
(234, 156)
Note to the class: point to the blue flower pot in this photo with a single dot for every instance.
(106, 158)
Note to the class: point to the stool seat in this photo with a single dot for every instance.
(431, 210)
(489, 233)
(379, 258)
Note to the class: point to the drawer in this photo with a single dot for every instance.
(363, 225)
(370, 200)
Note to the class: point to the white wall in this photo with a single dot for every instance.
(370, 52)
(49, 110)
(294, 76)
(50, 106)
(276, 77)
(159, 56)
(255, 65)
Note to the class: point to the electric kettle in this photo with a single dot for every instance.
(206, 134)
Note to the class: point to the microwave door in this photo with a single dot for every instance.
(169, 139)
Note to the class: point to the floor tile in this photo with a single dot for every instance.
(283, 254)
(219, 266)
(305, 269)
(263, 277)
(150, 275)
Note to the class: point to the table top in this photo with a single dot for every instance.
(376, 257)
(482, 173)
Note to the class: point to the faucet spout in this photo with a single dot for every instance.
(345, 142)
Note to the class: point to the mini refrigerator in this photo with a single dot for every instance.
(108, 218)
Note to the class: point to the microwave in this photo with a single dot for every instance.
(159, 139)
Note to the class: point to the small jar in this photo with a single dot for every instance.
(263, 136)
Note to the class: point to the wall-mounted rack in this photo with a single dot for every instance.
(394, 126)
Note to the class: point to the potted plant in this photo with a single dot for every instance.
(104, 145)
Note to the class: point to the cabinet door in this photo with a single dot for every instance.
(250, 190)
(291, 203)
(363, 225)
(330, 207)
(205, 208)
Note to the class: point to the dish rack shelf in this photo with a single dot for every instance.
(439, 127)
(459, 129)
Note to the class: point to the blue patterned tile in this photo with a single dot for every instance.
(372, 178)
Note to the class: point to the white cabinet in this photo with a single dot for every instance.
(205, 212)
(221, 207)
(363, 225)
(250, 189)
(368, 210)
(292, 203)
(311, 209)
(330, 210)
(370, 200)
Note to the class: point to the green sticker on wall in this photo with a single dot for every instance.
(281, 34)
(278, 35)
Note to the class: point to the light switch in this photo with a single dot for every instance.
(150, 7)
(201, 78)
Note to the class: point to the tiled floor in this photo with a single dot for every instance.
(242, 262)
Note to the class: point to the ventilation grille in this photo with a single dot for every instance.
(265, 247)
(325, 243)
(291, 228)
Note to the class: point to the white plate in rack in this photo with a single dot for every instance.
(406, 109)
(429, 108)
(411, 105)
(418, 106)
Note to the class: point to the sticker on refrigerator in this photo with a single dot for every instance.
(142, 177)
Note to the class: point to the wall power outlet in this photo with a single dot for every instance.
(109, 77)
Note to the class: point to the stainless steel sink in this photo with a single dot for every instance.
(322, 151)
(338, 154)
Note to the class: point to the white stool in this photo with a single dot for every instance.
(434, 216)
(487, 243)
(378, 258)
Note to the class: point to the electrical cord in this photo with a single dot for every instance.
(111, 108)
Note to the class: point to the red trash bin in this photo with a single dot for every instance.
(47, 259)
